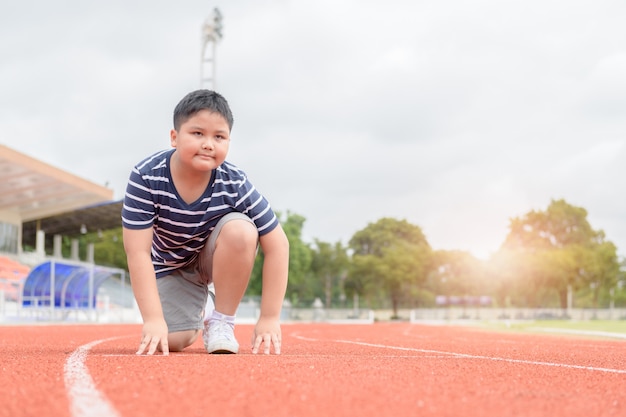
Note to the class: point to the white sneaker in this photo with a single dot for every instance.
(210, 303)
(219, 337)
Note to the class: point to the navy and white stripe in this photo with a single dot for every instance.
(181, 229)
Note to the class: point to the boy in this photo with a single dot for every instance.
(191, 218)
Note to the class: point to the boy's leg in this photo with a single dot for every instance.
(227, 260)
(183, 297)
(233, 260)
(177, 341)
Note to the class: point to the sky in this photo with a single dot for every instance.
(455, 116)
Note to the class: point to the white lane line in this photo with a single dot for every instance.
(464, 355)
(85, 399)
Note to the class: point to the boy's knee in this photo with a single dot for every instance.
(239, 233)
(178, 341)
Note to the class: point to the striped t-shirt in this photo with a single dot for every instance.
(181, 229)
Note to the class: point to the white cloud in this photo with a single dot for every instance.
(456, 116)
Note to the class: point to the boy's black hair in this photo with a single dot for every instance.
(198, 100)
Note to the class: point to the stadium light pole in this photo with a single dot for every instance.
(211, 34)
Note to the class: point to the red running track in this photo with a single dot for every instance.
(384, 369)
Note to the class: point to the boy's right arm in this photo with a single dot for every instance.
(138, 245)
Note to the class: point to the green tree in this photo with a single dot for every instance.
(329, 265)
(459, 273)
(108, 247)
(561, 250)
(503, 268)
(619, 293)
(600, 270)
(391, 256)
(299, 261)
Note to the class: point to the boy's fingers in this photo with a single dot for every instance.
(154, 343)
(151, 344)
(267, 340)
(257, 343)
(142, 346)
(276, 342)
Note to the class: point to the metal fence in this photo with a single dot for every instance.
(482, 313)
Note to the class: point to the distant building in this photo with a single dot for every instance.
(39, 201)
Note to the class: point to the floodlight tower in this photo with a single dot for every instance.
(211, 34)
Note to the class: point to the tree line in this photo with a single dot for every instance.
(547, 256)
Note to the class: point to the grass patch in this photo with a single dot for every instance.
(611, 326)
(562, 326)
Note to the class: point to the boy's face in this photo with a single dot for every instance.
(202, 141)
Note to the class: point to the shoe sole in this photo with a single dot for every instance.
(222, 350)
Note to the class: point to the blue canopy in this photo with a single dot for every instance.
(71, 283)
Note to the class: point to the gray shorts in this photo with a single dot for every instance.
(184, 292)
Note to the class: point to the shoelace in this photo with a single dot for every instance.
(221, 329)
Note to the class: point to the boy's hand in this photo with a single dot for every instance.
(154, 334)
(266, 333)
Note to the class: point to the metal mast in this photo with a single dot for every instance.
(211, 34)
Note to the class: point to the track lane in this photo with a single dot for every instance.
(382, 369)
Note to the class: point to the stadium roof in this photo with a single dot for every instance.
(50, 199)
(90, 219)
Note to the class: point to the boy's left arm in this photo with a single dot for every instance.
(275, 248)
